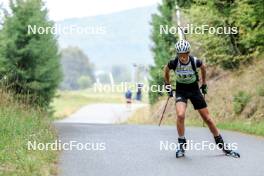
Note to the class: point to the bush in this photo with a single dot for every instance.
(229, 63)
(240, 100)
(84, 82)
(260, 90)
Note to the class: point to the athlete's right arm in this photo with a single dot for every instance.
(166, 74)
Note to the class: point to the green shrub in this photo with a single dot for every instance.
(84, 82)
(229, 63)
(260, 90)
(240, 100)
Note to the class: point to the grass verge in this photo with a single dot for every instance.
(145, 116)
(250, 127)
(20, 124)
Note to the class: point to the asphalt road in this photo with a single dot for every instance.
(134, 150)
(102, 113)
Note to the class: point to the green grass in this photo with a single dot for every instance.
(256, 128)
(143, 116)
(18, 125)
(239, 125)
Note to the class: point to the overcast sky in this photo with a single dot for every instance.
(62, 9)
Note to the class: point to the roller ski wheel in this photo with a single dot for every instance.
(180, 150)
(220, 142)
(180, 153)
(232, 153)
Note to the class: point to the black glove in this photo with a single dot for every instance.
(169, 90)
(204, 88)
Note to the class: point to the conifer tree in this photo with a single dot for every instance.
(29, 62)
(163, 44)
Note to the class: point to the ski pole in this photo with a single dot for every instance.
(164, 110)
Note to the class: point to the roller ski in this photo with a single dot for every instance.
(180, 152)
(220, 142)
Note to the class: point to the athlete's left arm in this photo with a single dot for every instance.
(203, 73)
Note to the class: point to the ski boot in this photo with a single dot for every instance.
(220, 142)
(180, 149)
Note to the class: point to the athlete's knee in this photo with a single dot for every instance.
(181, 116)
